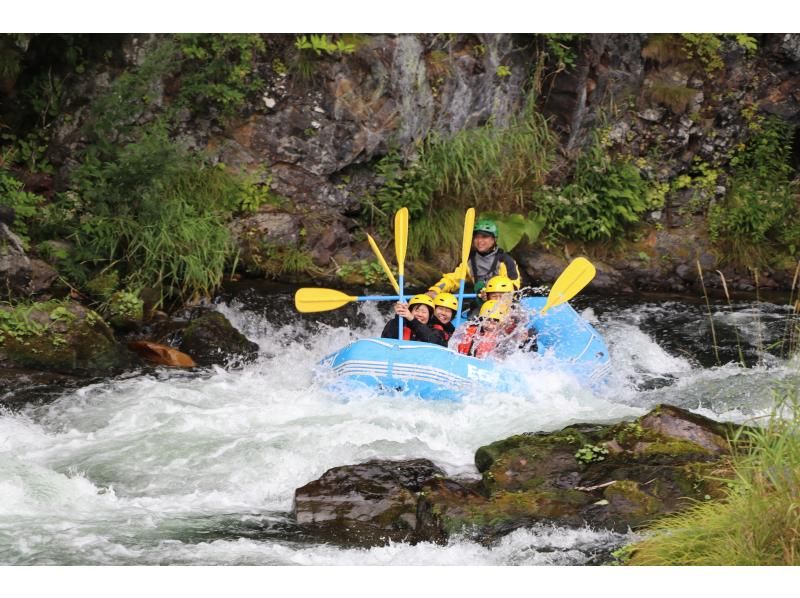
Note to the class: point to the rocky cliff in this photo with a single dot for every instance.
(676, 107)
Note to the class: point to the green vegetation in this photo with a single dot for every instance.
(758, 523)
(705, 48)
(16, 322)
(140, 206)
(275, 260)
(157, 214)
(761, 211)
(490, 167)
(24, 204)
(559, 48)
(590, 453)
(606, 195)
(218, 70)
(320, 44)
(370, 271)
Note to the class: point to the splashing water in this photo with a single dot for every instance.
(200, 468)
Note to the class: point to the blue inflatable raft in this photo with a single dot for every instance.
(434, 372)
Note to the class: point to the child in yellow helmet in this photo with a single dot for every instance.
(480, 339)
(418, 313)
(445, 308)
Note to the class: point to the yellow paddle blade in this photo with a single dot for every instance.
(576, 276)
(466, 243)
(309, 300)
(376, 250)
(401, 238)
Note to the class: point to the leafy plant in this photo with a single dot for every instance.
(320, 44)
(123, 307)
(590, 453)
(512, 228)
(219, 69)
(559, 47)
(159, 214)
(24, 204)
(762, 201)
(369, 270)
(503, 71)
(606, 195)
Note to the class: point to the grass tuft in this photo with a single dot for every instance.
(758, 523)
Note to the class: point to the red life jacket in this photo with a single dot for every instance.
(406, 333)
(477, 345)
(439, 326)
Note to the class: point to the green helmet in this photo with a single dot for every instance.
(485, 226)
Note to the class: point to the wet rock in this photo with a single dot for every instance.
(61, 337)
(20, 275)
(612, 476)
(678, 424)
(370, 503)
(608, 476)
(210, 339)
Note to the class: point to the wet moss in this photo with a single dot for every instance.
(626, 497)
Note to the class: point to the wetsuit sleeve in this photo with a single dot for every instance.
(450, 282)
(508, 267)
(426, 334)
(390, 330)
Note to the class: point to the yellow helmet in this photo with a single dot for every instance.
(499, 284)
(493, 309)
(446, 300)
(423, 299)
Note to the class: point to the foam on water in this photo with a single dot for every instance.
(144, 469)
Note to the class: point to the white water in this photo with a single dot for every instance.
(181, 468)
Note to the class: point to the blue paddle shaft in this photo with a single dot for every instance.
(461, 297)
(398, 297)
(400, 320)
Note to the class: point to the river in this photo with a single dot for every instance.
(175, 467)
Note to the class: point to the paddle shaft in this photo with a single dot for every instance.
(466, 245)
(400, 245)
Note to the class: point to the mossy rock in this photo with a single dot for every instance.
(60, 337)
(486, 455)
(506, 511)
(626, 498)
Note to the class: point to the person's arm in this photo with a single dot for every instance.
(449, 282)
(390, 330)
(511, 270)
(426, 334)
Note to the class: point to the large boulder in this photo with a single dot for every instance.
(371, 503)
(210, 339)
(610, 476)
(616, 477)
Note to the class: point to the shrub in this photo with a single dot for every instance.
(24, 204)
(606, 195)
(159, 214)
(761, 209)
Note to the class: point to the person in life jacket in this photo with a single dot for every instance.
(514, 332)
(500, 288)
(444, 310)
(480, 339)
(485, 260)
(417, 315)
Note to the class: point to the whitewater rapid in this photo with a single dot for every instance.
(175, 467)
